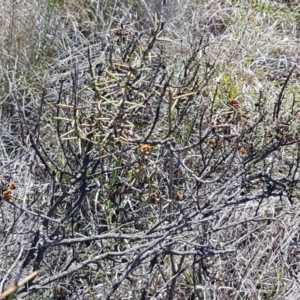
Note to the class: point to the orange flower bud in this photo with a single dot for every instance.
(235, 103)
(146, 149)
(13, 186)
(178, 197)
(7, 195)
(154, 198)
(242, 151)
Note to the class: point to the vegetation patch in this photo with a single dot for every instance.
(149, 150)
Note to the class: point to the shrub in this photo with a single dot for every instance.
(155, 175)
